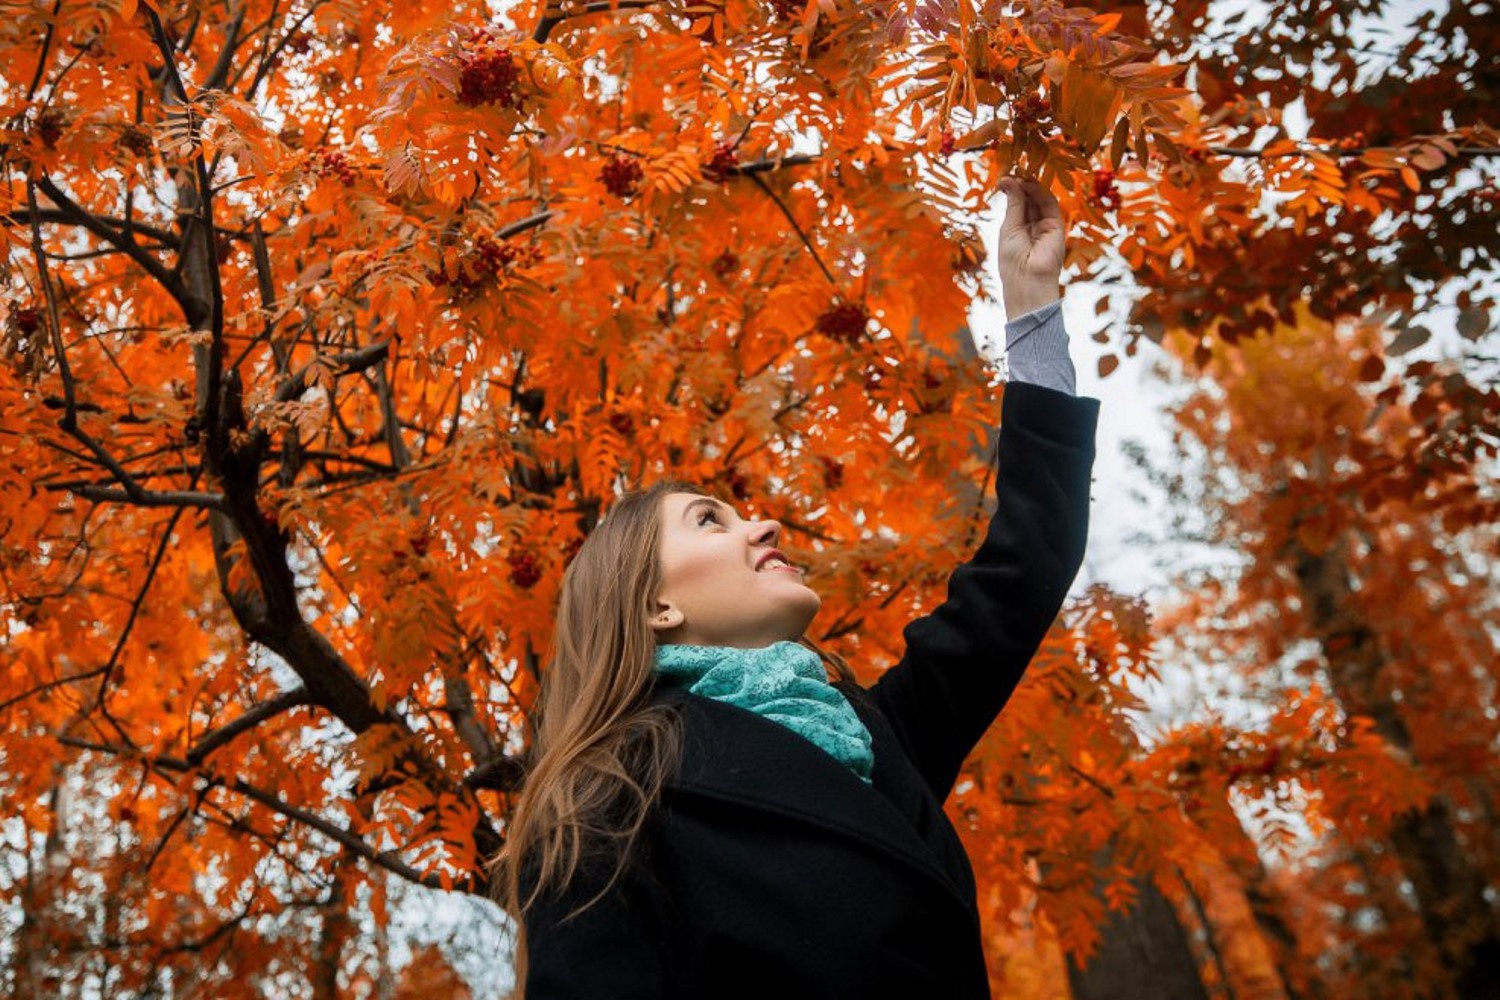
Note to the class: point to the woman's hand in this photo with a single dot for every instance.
(1031, 247)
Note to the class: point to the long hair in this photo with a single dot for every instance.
(600, 752)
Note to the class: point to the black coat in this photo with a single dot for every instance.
(769, 869)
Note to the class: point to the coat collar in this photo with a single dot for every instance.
(733, 754)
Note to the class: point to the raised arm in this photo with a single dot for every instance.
(963, 660)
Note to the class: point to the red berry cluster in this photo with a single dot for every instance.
(737, 483)
(489, 76)
(137, 140)
(1105, 191)
(620, 175)
(333, 163)
(300, 43)
(722, 164)
(788, 10)
(488, 258)
(725, 264)
(623, 423)
(947, 143)
(844, 321)
(1033, 109)
(833, 472)
(49, 126)
(525, 571)
(1350, 145)
(27, 319)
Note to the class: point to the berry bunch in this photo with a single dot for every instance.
(1350, 145)
(623, 423)
(1105, 191)
(489, 75)
(787, 10)
(722, 164)
(727, 263)
(833, 472)
(525, 571)
(621, 175)
(137, 140)
(333, 163)
(1033, 109)
(844, 321)
(488, 258)
(737, 483)
(27, 319)
(947, 143)
(50, 125)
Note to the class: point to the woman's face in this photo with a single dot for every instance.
(722, 584)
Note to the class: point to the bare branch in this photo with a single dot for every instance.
(347, 363)
(144, 498)
(546, 24)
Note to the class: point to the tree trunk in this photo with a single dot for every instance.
(1144, 954)
(1449, 889)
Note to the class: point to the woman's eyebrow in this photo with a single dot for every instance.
(701, 502)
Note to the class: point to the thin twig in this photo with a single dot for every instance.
(795, 227)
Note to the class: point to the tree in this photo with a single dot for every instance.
(1379, 594)
(332, 329)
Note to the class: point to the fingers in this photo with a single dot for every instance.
(1026, 202)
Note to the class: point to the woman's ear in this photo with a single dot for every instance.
(668, 616)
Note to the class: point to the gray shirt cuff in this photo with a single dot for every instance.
(1036, 350)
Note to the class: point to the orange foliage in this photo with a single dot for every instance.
(332, 328)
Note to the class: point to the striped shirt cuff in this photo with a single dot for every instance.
(1036, 350)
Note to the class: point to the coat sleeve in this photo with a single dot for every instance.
(616, 948)
(963, 660)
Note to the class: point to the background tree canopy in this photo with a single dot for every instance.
(331, 329)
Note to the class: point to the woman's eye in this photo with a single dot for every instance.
(708, 515)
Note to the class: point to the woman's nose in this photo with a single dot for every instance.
(766, 531)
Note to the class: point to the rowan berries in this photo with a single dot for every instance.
(525, 571)
(833, 472)
(1105, 191)
(947, 143)
(333, 163)
(27, 320)
(489, 77)
(844, 322)
(137, 140)
(722, 164)
(623, 423)
(621, 175)
(727, 263)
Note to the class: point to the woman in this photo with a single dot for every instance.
(706, 815)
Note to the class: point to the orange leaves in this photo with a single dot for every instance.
(1088, 100)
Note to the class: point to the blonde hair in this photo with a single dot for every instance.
(600, 752)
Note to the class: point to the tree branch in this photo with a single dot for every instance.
(144, 498)
(385, 859)
(76, 214)
(547, 23)
(252, 717)
(795, 228)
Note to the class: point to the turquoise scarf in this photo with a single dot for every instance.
(783, 682)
